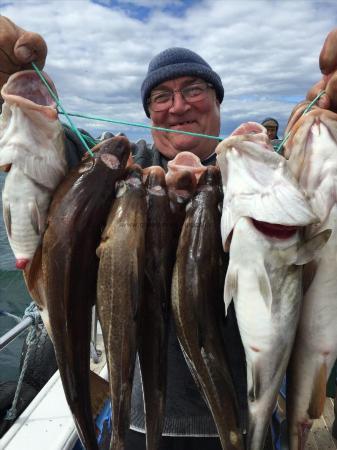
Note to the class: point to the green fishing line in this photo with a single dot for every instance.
(307, 109)
(58, 103)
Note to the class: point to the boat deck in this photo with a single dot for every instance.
(320, 437)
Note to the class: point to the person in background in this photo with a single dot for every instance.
(271, 125)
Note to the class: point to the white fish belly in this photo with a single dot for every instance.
(26, 204)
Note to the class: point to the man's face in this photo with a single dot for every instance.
(271, 131)
(202, 116)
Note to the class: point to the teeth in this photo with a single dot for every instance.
(184, 123)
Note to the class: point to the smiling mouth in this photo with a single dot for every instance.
(182, 124)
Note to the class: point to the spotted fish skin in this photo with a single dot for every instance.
(77, 216)
(119, 294)
(155, 307)
(197, 302)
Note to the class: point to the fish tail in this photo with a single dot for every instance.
(317, 399)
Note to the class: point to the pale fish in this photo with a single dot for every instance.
(312, 153)
(263, 211)
(32, 150)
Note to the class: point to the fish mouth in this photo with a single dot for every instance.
(275, 230)
(21, 263)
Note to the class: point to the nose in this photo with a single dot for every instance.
(179, 104)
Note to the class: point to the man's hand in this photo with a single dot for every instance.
(18, 48)
(328, 66)
(328, 82)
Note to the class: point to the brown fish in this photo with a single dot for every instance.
(119, 293)
(77, 215)
(197, 288)
(154, 312)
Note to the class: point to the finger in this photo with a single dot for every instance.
(296, 113)
(31, 47)
(331, 90)
(324, 100)
(328, 55)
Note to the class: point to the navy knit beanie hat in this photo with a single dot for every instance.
(178, 62)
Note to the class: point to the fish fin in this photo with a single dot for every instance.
(265, 288)
(309, 272)
(99, 392)
(311, 248)
(254, 392)
(47, 171)
(7, 156)
(34, 270)
(231, 286)
(7, 218)
(99, 251)
(318, 393)
(200, 336)
(35, 218)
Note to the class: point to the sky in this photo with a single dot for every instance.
(265, 51)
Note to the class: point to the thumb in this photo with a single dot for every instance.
(31, 47)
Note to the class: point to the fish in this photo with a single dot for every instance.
(77, 216)
(312, 156)
(197, 286)
(121, 255)
(32, 152)
(185, 161)
(264, 212)
(155, 307)
(181, 180)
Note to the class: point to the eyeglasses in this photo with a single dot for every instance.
(162, 100)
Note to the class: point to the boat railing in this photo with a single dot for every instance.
(27, 321)
(14, 332)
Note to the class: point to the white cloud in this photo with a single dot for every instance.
(266, 51)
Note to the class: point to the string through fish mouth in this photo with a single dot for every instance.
(279, 148)
(83, 137)
(59, 105)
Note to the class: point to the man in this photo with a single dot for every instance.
(271, 125)
(181, 92)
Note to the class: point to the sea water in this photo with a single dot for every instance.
(14, 299)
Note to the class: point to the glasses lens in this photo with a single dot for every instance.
(162, 100)
(195, 92)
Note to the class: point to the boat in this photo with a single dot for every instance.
(47, 422)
